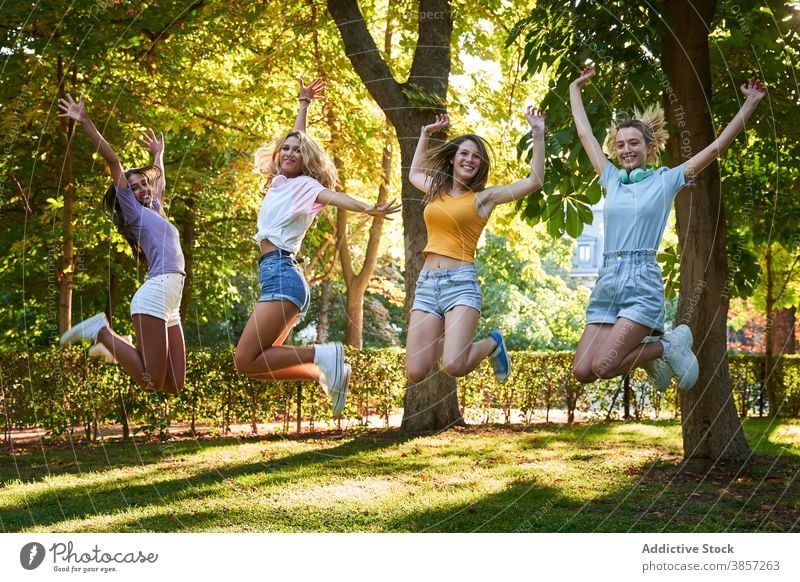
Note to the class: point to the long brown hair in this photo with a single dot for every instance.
(438, 166)
(111, 204)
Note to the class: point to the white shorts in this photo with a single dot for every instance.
(160, 297)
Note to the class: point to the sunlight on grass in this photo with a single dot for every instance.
(608, 475)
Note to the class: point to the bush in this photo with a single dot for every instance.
(67, 393)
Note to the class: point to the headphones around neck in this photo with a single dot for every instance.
(636, 175)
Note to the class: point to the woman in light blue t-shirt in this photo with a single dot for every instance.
(626, 308)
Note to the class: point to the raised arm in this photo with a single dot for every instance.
(753, 91)
(501, 194)
(155, 145)
(416, 175)
(306, 94)
(345, 202)
(77, 110)
(590, 143)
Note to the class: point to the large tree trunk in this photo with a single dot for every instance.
(67, 249)
(711, 427)
(433, 404)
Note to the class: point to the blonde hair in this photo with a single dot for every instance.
(316, 163)
(438, 166)
(652, 125)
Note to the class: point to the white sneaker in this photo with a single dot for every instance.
(681, 358)
(329, 358)
(660, 374)
(341, 395)
(85, 330)
(100, 351)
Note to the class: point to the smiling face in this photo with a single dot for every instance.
(290, 159)
(466, 162)
(141, 188)
(631, 149)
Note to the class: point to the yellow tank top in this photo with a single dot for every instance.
(454, 226)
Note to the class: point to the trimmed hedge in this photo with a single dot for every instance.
(70, 394)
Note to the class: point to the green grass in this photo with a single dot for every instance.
(544, 478)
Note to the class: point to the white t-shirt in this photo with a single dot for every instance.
(289, 207)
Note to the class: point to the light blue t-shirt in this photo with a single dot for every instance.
(635, 215)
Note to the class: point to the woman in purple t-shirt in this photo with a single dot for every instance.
(158, 361)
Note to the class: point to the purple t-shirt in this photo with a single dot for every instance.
(157, 236)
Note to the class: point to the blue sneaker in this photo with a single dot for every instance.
(501, 364)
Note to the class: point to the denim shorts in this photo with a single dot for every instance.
(439, 290)
(283, 280)
(160, 297)
(629, 285)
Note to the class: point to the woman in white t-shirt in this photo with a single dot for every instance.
(299, 180)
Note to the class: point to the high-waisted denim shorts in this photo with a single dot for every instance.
(283, 280)
(629, 285)
(439, 290)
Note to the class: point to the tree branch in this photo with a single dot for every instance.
(367, 62)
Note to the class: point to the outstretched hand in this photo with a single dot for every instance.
(442, 121)
(383, 210)
(753, 90)
(72, 109)
(535, 117)
(316, 90)
(154, 143)
(586, 74)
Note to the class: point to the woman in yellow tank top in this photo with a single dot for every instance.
(448, 299)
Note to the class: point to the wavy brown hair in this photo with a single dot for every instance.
(438, 166)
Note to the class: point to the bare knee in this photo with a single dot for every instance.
(174, 385)
(240, 362)
(583, 374)
(417, 373)
(605, 368)
(456, 368)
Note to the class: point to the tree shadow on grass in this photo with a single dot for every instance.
(662, 496)
(658, 493)
(51, 503)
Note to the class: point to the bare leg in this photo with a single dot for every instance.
(260, 354)
(461, 354)
(423, 345)
(592, 339)
(176, 360)
(146, 363)
(607, 351)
